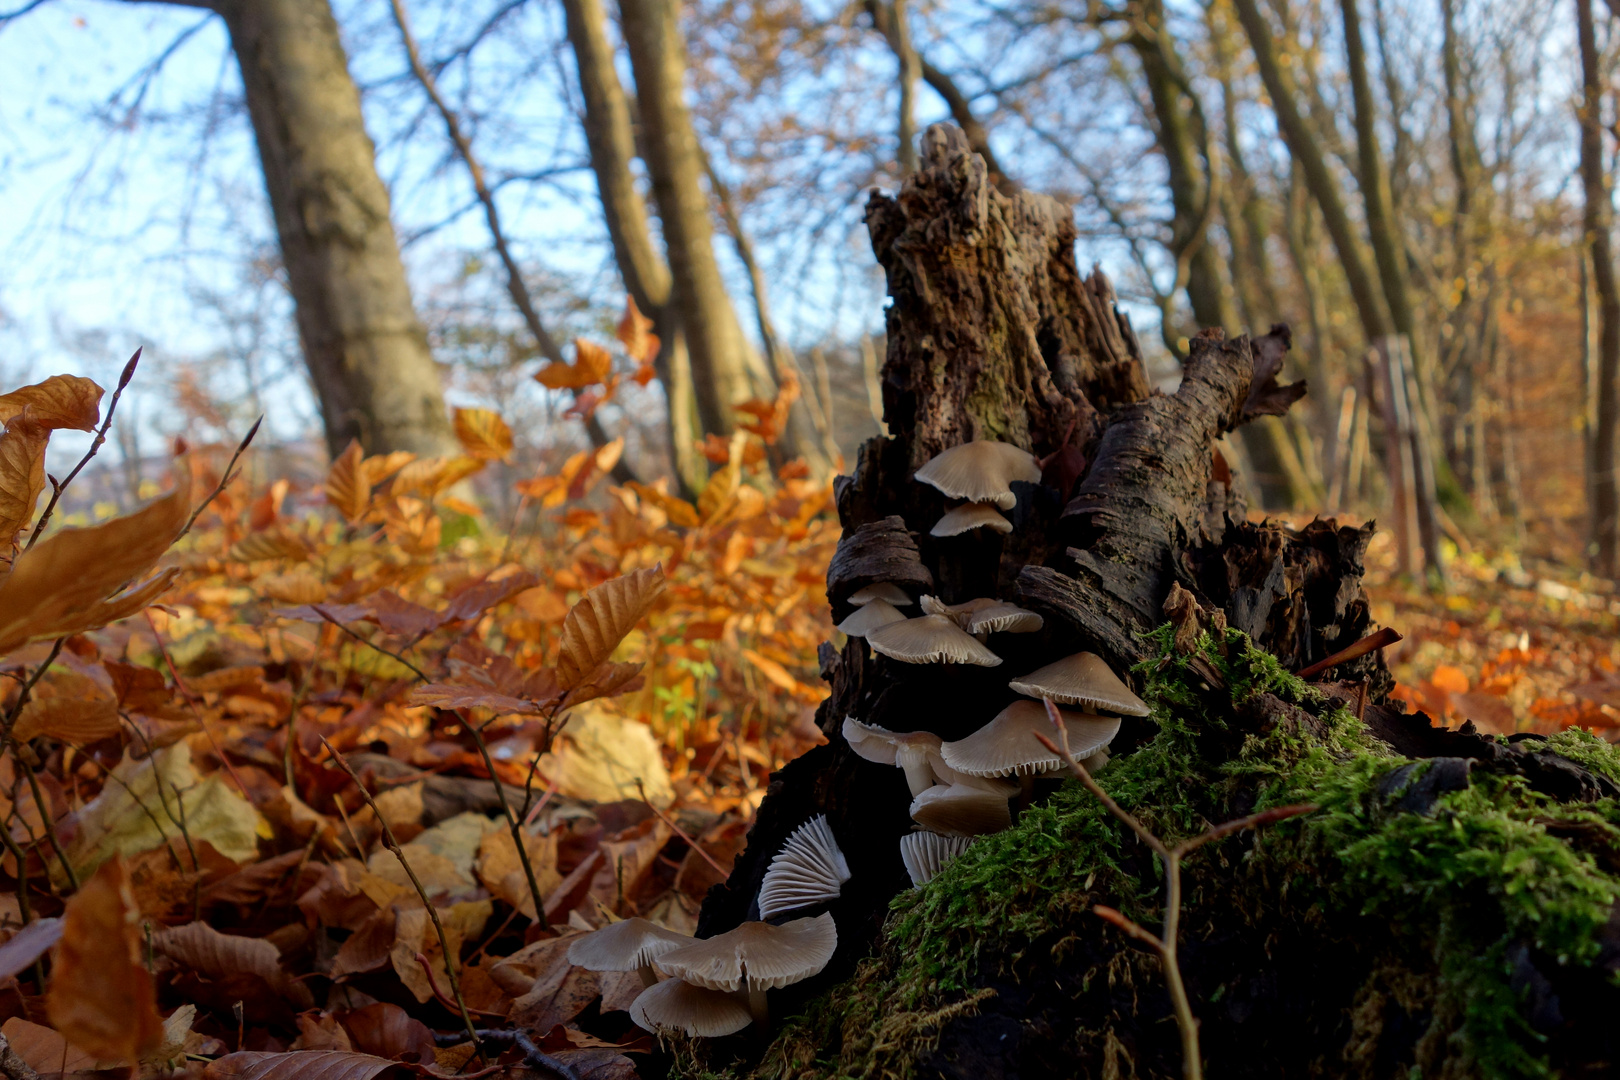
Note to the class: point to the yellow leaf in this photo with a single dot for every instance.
(592, 364)
(62, 586)
(719, 492)
(601, 619)
(635, 334)
(22, 474)
(483, 434)
(429, 476)
(381, 466)
(347, 486)
(100, 996)
(776, 673)
(70, 707)
(678, 510)
(278, 542)
(61, 401)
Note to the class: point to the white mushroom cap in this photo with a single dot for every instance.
(810, 868)
(981, 471)
(985, 615)
(1082, 679)
(869, 617)
(926, 853)
(959, 810)
(755, 956)
(624, 946)
(930, 639)
(1007, 746)
(917, 752)
(968, 516)
(882, 590)
(677, 1005)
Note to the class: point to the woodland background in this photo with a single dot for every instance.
(606, 300)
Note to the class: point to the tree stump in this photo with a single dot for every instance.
(1137, 521)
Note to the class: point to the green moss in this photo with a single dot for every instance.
(1451, 893)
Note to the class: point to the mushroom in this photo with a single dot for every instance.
(869, 617)
(968, 516)
(810, 868)
(981, 471)
(677, 1004)
(882, 590)
(917, 752)
(926, 853)
(628, 945)
(1082, 679)
(755, 957)
(930, 639)
(986, 615)
(961, 810)
(1006, 746)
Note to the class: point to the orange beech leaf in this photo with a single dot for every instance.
(777, 674)
(61, 401)
(100, 996)
(70, 707)
(592, 365)
(65, 584)
(605, 680)
(601, 619)
(381, 466)
(429, 476)
(274, 543)
(208, 952)
(635, 334)
(718, 494)
(22, 473)
(679, 511)
(471, 601)
(347, 486)
(482, 679)
(1450, 679)
(483, 434)
(302, 1065)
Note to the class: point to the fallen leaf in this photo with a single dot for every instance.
(604, 615)
(100, 996)
(301, 1065)
(46, 1051)
(203, 949)
(389, 1031)
(68, 706)
(502, 873)
(483, 434)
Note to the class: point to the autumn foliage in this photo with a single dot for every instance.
(315, 782)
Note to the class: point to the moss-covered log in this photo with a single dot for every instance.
(1448, 908)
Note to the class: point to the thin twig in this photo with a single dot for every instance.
(47, 818)
(691, 843)
(322, 612)
(224, 482)
(95, 444)
(1165, 945)
(1376, 640)
(512, 820)
(28, 688)
(191, 702)
(533, 1056)
(433, 913)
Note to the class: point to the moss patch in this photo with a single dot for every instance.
(1421, 922)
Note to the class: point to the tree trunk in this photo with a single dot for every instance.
(1599, 223)
(366, 350)
(611, 140)
(669, 146)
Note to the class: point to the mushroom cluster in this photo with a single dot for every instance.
(717, 985)
(962, 789)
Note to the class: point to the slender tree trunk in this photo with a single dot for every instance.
(365, 347)
(910, 70)
(611, 140)
(1306, 151)
(1599, 223)
(669, 146)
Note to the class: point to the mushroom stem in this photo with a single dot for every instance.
(759, 1010)
(649, 977)
(1026, 791)
(919, 774)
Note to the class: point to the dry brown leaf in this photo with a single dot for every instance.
(389, 1031)
(62, 585)
(208, 952)
(301, 1065)
(592, 364)
(100, 996)
(279, 543)
(429, 476)
(22, 474)
(601, 619)
(380, 467)
(718, 494)
(45, 1050)
(502, 873)
(678, 510)
(606, 680)
(635, 334)
(483, 434)
(28, 945)
(61, 401)
(68, 706)
(413, 934)
(348, 487)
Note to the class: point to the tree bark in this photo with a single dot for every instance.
(992, 333)
(1599, 223)
(669, 146)
(611, 141)
(366, 350)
